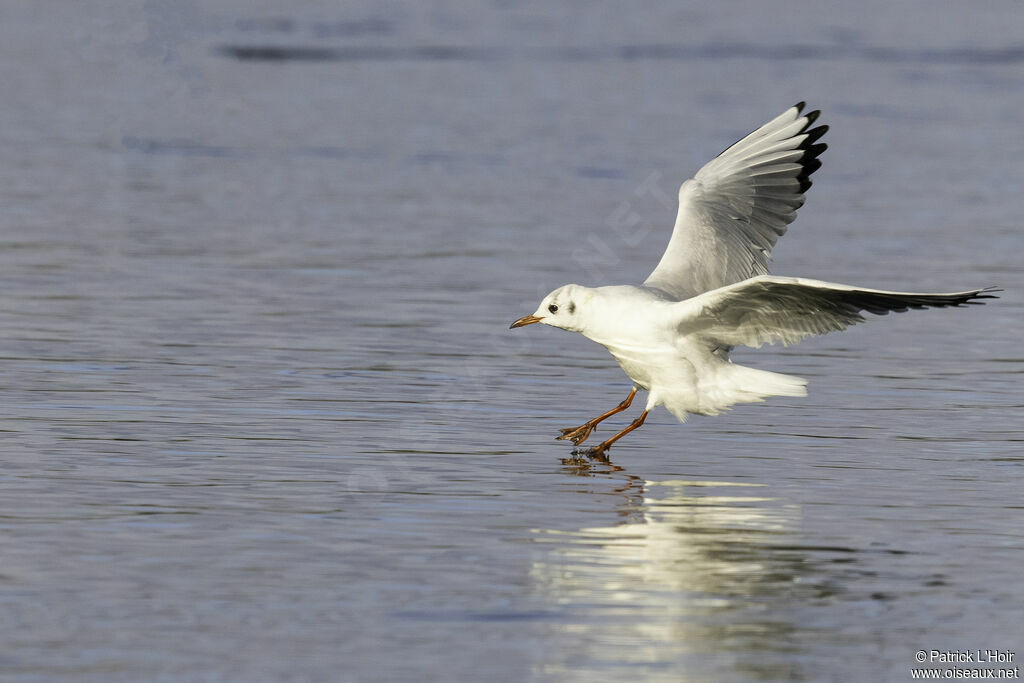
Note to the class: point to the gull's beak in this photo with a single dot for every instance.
(525, 320)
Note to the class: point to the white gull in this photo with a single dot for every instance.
(711, 291)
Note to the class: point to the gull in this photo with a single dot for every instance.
(711, 291)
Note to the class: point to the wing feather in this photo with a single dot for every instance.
(769, 309)
(737, 206)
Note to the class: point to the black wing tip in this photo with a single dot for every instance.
(880, 303)
(953, 300)
(814, 134)
(810, 163)
(984, 293)
(972, 296)
(809, 144)
(812, 148)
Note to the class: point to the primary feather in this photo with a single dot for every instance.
(738, 205)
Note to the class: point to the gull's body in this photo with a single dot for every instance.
(711, 291)
(684, 371)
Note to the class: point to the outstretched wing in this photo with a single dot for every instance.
(732, 212)
(770, 309)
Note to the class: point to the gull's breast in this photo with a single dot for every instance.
(648, 366)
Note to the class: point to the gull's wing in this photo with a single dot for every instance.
(732, 212)
(770, 309)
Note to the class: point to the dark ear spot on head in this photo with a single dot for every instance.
(572, 307)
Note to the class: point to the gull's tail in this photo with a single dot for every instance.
(740, 384)
(760, 384)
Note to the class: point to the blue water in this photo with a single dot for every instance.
(264, 418)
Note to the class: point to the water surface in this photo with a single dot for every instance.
(265, 419)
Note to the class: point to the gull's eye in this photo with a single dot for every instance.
(553, 308)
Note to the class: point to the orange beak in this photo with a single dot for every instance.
(525, 320)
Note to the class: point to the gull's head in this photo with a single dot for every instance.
(562, 308)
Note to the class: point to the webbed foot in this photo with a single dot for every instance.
(576, 434)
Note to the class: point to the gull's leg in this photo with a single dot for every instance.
(579, 434)
(598, 451)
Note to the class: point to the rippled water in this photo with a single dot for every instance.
(265, 419)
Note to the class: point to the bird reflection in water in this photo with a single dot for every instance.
(700, 577)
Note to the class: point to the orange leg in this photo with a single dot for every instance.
(598, 451)
(579, 434)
